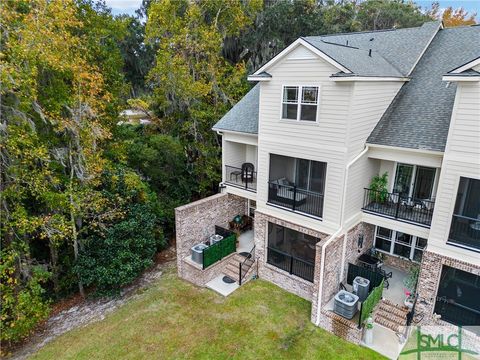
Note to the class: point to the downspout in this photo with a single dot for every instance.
(335, 234)
(221, 185)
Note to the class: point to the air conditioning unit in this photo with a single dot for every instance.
(345, 304)
(360, 287)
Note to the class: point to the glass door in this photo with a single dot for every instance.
(424, 180)
(403, 180)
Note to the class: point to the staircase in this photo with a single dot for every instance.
(232, 268)
(391, 316)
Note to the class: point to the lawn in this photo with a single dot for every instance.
(173, 319)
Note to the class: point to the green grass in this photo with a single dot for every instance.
(173, 319)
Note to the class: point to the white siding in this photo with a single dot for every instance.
(322, 141)
(369, 102)
(462, 158)
(359, 177)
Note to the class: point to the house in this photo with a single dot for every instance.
(328, 114)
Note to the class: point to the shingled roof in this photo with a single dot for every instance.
(394, 52)
(243, 116)
(419, 116)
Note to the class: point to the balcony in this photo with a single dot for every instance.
(243, 178)
(297, 184)
(395, 206)
(295, 199)
(465, 231)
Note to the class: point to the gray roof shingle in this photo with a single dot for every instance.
(394, 52)
(419, 116)
(243, 116)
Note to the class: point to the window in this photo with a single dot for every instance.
(300, 103)
(291, 251)
(457, 297)
(400, 244)
(465, 228)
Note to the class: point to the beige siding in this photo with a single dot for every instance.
(462, 158)
(359, 177)
(369, 102)
(321, 141)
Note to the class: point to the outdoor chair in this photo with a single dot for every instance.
(247, 172)
(386, 276)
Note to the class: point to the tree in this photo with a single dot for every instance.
(193, 83)
(452, 17)
(388, 14)
(115, 254)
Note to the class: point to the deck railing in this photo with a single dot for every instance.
(234, 176)
(295, 199)
(465, 231)
(399, 207)
(245, 265)
(291, 264)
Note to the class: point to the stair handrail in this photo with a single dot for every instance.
(241, 263)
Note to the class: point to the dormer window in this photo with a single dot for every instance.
(300, 103)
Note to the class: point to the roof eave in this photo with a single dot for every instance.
(458, 77)
(309, 46)
(368, 78)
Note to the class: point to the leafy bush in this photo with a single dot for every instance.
(111, 261)
(379, 185)
(23, 304)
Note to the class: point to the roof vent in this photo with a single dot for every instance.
(370, 52)
(372, 39)
(347, 43)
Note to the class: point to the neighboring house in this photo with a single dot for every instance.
(327, 115)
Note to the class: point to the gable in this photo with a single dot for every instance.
(301, 53)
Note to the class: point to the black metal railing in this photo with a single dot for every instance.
(291, 264)
(465, 231)
(242, 179)
(455, 313)
(245, 265)
(295, 199)
(400, 207)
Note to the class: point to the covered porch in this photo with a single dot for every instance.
(240, 165)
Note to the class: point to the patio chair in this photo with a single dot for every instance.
(247, 172)
(386, 276)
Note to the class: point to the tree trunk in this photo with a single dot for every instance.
(54, 263)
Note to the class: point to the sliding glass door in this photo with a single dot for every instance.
(310, 175)
(412, 181)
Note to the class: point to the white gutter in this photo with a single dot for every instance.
(336, 233)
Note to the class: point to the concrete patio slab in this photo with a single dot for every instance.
(221, 287)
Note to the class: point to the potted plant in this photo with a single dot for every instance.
(410, 283)
(369, 330)
(378, 187)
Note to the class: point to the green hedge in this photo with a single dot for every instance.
(370, 302)
(219, 250)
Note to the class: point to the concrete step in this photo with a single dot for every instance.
(231, 275)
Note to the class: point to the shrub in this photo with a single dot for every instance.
(111, 261)
(22, 302)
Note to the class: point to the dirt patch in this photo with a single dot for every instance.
(76, 312)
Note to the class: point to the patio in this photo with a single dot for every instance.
(395, 292)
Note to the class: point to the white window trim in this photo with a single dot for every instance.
(299, 104)
(393, 240)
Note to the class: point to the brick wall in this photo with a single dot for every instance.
(352, 251)
(196, 221)
(428, 281)
(398, 262)
(283, 279)
(340, 326)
